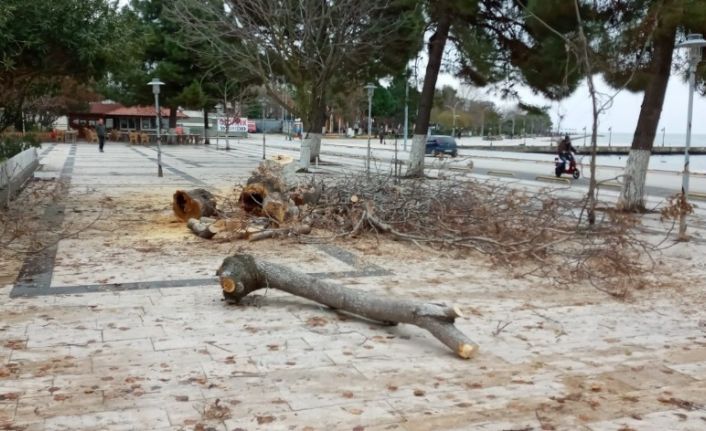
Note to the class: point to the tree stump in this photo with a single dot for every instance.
(242, 274)
(194, 203)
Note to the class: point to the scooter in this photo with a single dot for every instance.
(560, 168)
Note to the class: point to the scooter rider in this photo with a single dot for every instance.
(565, 149)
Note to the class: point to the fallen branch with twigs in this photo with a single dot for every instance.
(242, 274)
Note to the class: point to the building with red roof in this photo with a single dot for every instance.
(121, 118)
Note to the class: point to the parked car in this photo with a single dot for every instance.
(438, 144)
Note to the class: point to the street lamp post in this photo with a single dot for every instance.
(453, 120)
(219, 117)
(584, 136)
(371, 89)
(406, 108)
(610, 135)
(156, 83)
(694, 43)
(264, 142)
(663, 136)
(227, 123)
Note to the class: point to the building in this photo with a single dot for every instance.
(121, 118)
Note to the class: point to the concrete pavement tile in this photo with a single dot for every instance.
(672, 420)
(231, 366)
(648, 377)
(326, 386)
(156, 394)
(208, 413)
(287, 360)
(256, 345)
(123, 360)
(51, 365)
(247, 388)
(7, 411)
(687, 353)
(147, 418)
(25, 386)
(33, 409)
(132, 332)
(696, 370)
(113, 347)
(23, 425)
(469, 421)
(107, 300)
(341, 417)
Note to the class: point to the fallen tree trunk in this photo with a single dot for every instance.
(242, 274)
(194, 203)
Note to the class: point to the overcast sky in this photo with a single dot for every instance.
(623, 114)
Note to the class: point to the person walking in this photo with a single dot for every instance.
(100, 131)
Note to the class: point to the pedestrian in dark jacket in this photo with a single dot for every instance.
(100, 131)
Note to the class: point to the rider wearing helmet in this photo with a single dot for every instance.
(565, 149)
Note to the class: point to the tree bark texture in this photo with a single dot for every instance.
(437, 42)
(194, 204)
(242, 274)
(632, 194)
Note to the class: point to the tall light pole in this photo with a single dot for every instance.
(694, 43)
(663, 136)
(219, 115)
(264, 143)
(482, 123)
(453, 121)
(584, 136)
(371, 89)
(156, 83)
(610, 135)
(406, 107)
(227, 121)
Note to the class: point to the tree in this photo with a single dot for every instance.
(317, 47)
(442, 14)
(384, 105)
(153, 49)
(45, 43)
(643, 51)
(54, 97)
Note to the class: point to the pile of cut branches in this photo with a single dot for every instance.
(513, 227)
(538, 233)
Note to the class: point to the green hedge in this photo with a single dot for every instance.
(10, 145)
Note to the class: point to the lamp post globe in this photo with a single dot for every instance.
(155, 83)
(694, 44)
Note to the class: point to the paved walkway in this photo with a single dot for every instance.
(121, 326)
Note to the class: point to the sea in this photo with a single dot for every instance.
(697, 163)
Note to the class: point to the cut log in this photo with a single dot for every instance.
(275, 233)
(242, 274)
(200, 228)
(194, 203)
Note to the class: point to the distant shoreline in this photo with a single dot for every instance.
(601, 150)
